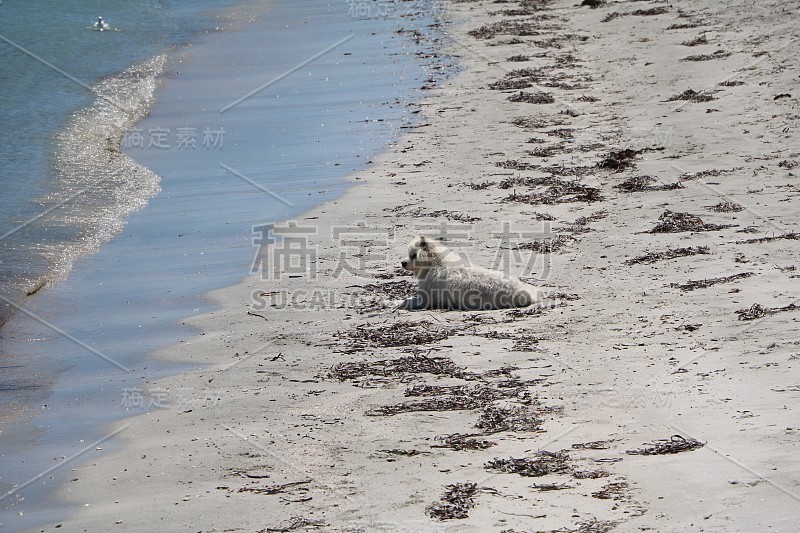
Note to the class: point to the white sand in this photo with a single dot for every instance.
(616, 360)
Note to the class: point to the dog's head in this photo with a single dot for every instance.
(424, 253)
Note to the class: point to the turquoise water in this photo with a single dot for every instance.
(51, 63)
(155, 226)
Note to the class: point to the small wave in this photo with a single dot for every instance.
(96, 186)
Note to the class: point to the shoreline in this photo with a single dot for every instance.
(108, 273)
(298, 419)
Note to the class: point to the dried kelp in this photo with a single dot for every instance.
(727, 207)
(398, 334)
(460, 442)
(644, 184)
(612, 491)
(652, 257)
(759, 311)
(690, 95)
(549, 245)
(438, 366)
(705, 283)
(532, 98)
(719, 54)
(792, 236)
(452, 398)
(541, 464)
(495, 419)
(456, 502)
(674, 444)
(619, 160)
(558, 192)
(675, 222)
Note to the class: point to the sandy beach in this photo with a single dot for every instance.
(637, 160)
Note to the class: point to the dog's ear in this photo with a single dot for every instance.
(424, 244)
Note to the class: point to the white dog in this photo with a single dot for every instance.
(446, 283)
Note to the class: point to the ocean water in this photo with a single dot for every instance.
(66, 93)
(219, 131)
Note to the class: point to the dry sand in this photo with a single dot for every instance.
(622, 355)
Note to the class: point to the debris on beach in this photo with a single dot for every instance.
(593, 445)
(460, 442)
(421, 212)
(705, 283)
(675, 222)
(700, 39)
(481, 185)
(690, 95)
(688, 176)
(726, 207)
(540, 97)
(594, 4)
(276, 489)
(612, 491)
(644, 184)
(638, 12)
(652, 257)
(295, 523)
(674, 444)
(759, 311)
(453, 398)
(541, 464)
(392, 290)
(455, 503)
(399, 334)
(438, 366)
(619, 160)
(558, 192)
(548, 245)
(547, 487)
(496, 419)
(792, 236)
(719, 54)
(590, 474)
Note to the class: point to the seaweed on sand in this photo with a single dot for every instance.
(652, 257)
(705, 283)
(674, 444)
(690, 95)
(460, 442)
(675, 222)
(393, 290)
(727, 207)
(452, 398)
(455, 503)
(549, 245)
(541, 464)
(644, 184)
(398, 334)
(438, 366)
(532, 98)
(619, 160)
(759, 311)
(612, 491)
(792, 236)
(558, 192)
(719, 54)
(496, 419)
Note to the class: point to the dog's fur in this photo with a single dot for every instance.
(446, 283)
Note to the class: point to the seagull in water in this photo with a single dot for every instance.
(101, 24)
